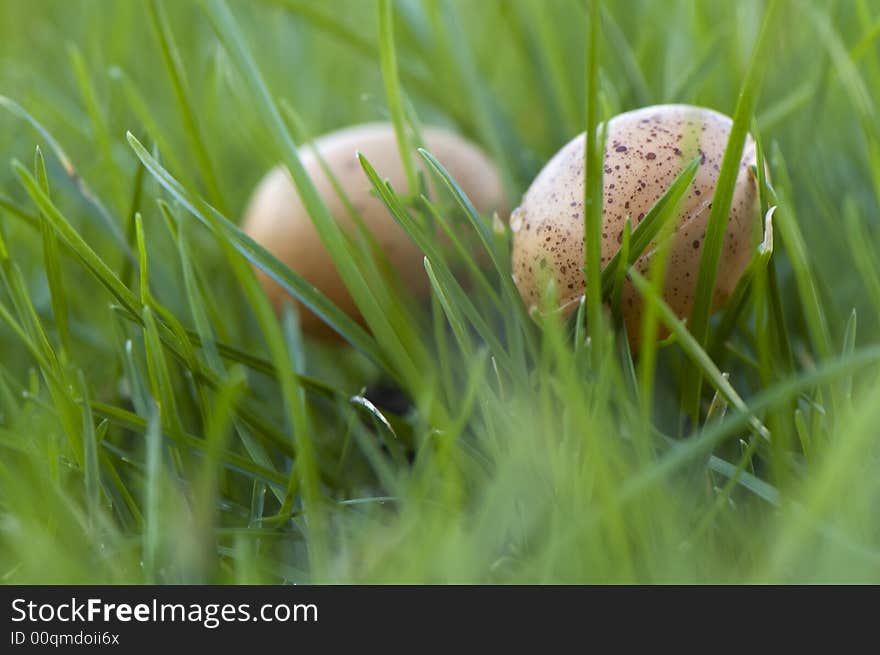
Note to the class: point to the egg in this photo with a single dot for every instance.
(277, 219)
(645, 150)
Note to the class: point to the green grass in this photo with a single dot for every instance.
(160, 423)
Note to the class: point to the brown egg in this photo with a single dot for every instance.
(645, 151)
(277, 219)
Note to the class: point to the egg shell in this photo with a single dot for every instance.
(645, 150)
(277, 219)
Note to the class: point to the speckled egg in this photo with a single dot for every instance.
(277, 219)
(645, 151)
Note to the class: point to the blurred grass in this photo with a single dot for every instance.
(158, 423)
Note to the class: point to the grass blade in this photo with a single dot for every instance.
(388, 58)
(52, 262)
(594, 150)
(695, 351)
(721, 202)
(176, 73)
(100, 130)
(796, 249)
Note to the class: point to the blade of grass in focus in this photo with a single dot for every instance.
(721, 202)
